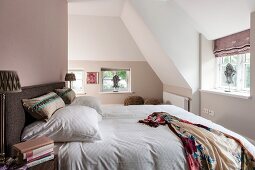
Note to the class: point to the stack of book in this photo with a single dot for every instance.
(35, 151)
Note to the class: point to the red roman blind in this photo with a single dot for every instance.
(234, 44)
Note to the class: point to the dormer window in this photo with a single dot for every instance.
(233, 50)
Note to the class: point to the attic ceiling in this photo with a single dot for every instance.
(213, 18)
(218, 18)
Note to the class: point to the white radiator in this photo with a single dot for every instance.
(176, 100)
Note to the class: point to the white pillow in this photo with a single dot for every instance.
(72, 123)
(89, 101)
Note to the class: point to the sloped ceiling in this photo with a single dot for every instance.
(152, 51)
(213, 18)
(218, 18)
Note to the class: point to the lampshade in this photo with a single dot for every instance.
(70, 77)
(9, 82)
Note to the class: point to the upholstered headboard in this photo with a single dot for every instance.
(16, 116)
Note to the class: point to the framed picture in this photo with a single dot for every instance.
(92, 77)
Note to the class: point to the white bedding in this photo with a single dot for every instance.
(128, 145)
(68, 124)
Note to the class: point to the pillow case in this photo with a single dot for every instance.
(89, 101)
(43, 107)
(69, 124)
(133, 100)
(67, 94)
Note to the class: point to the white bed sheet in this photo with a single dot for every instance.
(128, 145)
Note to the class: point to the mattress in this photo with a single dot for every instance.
(129, 145)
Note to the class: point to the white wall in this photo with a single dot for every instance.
(174, 35)
(173, 29)
(234, 113)
(208, 63)
(100, 39)
(150, 48)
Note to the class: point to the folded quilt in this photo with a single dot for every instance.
(205, 148)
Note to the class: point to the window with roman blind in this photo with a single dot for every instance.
(233, 49)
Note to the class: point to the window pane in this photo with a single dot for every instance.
(123, 84)
(226, 60)
(247, 58)
(247, 76)
(122, 74)
(236, 59)
(108, 74)
(107, 82)
(77, 85)
(224, 79)
(78, 74)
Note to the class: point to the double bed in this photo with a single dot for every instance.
(124, 144)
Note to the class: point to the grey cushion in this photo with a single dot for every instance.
(67, 94)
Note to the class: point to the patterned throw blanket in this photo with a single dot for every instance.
(205, 148)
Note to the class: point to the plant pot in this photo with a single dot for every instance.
(115, 89)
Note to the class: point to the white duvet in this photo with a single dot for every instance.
(128, 145)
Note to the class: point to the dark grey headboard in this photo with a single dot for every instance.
(16, 117)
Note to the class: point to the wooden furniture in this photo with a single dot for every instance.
(49, 165)
(16, 117)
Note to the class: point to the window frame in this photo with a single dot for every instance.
(82, 79)
(128, 80)
(244, 72)
(240, 75)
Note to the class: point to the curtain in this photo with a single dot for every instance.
(234, 44)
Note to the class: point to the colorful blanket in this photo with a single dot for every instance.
(205, 148)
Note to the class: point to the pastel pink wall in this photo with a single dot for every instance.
(33, 39)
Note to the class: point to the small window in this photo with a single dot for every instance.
(123, 83)
(241, 64)
(78, 85)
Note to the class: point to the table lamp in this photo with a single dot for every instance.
(9, 83)
(70, 77)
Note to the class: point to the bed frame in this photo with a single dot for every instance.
(16, 117)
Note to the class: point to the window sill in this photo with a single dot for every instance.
(241, 95)
(119, 92)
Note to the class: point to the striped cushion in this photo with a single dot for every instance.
(43, 107)
(68, 95)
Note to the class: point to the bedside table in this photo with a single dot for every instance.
(49, 165)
